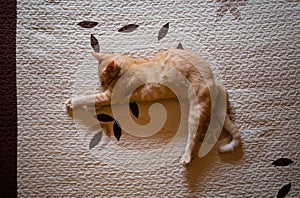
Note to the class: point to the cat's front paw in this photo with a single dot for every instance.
(69, 104)
(186, 159)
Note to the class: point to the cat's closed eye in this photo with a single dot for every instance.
(102, 83)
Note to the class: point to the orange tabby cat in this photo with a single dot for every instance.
(113, 66)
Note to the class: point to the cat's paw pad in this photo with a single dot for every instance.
(186, 159)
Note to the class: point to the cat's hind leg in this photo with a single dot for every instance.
(198, 114)
(195, 129)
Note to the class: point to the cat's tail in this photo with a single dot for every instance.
(234, 132)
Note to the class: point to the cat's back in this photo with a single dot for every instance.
(184, 61)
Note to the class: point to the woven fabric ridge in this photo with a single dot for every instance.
(252, 47)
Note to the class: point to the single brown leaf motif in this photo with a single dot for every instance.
(179, 46)
(231, 6)
(87, 24)
(104, 118)
(95, 43)
(117, 130)
(134, 109)
(128, 28)
(95, 140)
(282, 162)
(163, 31)
(284, 190)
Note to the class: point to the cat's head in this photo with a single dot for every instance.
(110, 68)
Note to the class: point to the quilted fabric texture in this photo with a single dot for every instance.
(253, 48)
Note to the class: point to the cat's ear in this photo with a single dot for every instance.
(98, 56)
(112, 66)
